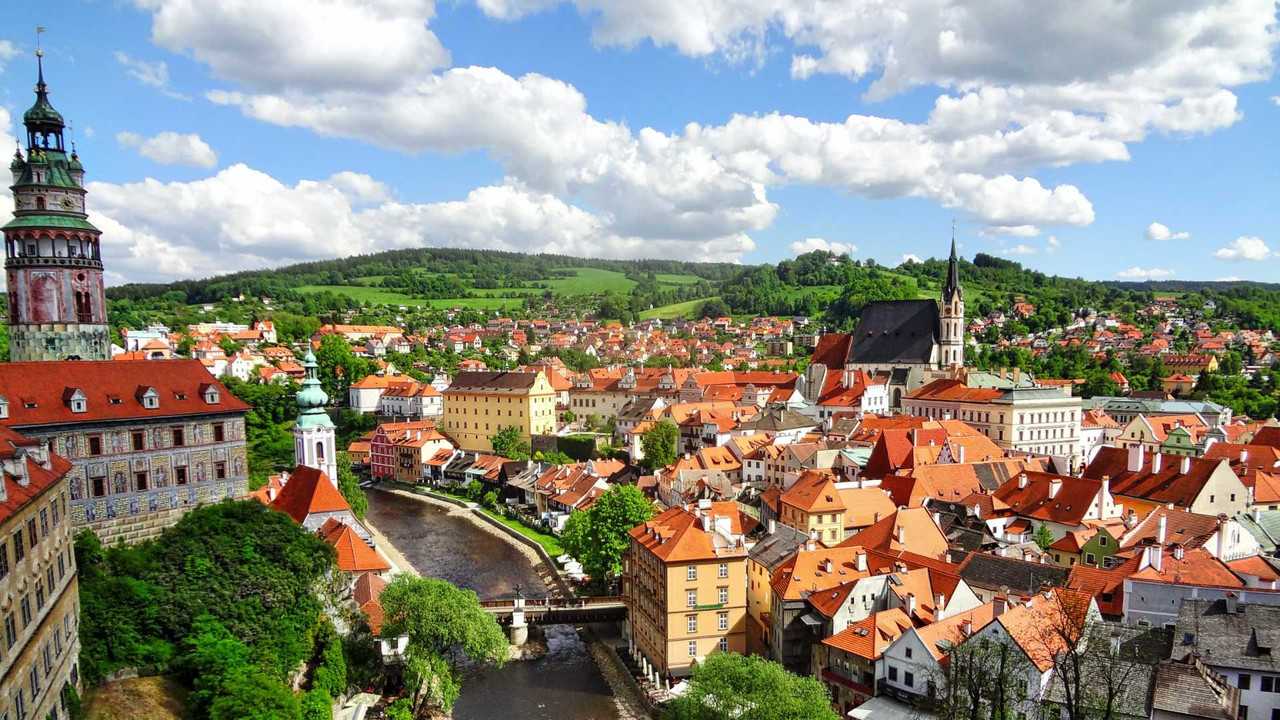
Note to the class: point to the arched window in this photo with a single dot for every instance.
(320, 450)
(39, 202)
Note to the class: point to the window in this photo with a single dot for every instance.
(19, 547)
(4, 559)
(693, 648)
(180, 475)
(220, 468)
(48, 575)
(692, 598)
(54, 507)
(1245, 680)
(722, 621)
(1268, 684)
(19, 705)
(179, 437)
(26, 610)
(691, 623)
(48, 659)
(219, 432)
(95, 444)
(140, 480)
(1102, 541)
(39, 595)
(1244, 713)
(723, 570)
(909, 679)
(99, 484)
(139, 439)
(908, 653)
(10, 630)
(691, 572)
(32, 535)
(723, 646)
(893, 673)
(723, 595)
(44, 521)
(35, 682)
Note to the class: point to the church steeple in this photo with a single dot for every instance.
(951, 315)
(314, 442)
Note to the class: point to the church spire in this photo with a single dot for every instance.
(951, 287)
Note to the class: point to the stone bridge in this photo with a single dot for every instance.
(553, 611)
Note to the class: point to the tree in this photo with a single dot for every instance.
(252, 696)
(1043, 536)
(339, 366)
(659, 445)
(349, 486)
(982, 678)
(508, 443)
(445, 626)
(598, 536)
(728, 685)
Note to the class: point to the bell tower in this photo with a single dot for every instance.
(951, 316)
(53, 262)
(314, 444)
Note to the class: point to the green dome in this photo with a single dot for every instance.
(17, 163)
(74, 163)
(42, 114)
(312, 398)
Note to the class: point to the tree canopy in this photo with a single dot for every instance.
(659, 444)
(728, 685)
(598, 537)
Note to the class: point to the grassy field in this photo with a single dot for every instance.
(146, 698)
(589, 281)
(669, 279)
(475, 303)
(678, 310)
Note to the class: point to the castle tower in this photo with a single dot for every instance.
(57, 307)
(313, 434)
(951, 333)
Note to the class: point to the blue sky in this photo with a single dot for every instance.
(228, 136)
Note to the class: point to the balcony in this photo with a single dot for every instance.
(834, 677)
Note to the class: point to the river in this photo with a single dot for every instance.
(564, 685)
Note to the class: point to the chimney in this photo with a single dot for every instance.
(828, 566)
(998, 605)
(1155, 556)
(966, 627)
(899, 534)
(1178, 551)
(1137, 457)
(911, 603)
(1055, 484)
(773, 525)
(1156, 462)
(1222, 537)
(1244, 456)
(1162, 528)
(812, 543)
(939, 602)
(960, 455)
(1186, 465)
(1022, 480)
(861, 559)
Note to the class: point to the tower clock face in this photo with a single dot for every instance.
(68, 203)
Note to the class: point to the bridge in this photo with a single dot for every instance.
(553, 611)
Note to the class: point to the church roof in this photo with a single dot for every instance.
(308, 491)
(896, 332)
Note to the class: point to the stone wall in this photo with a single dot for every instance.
(58, 342)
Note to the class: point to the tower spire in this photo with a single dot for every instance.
(952, 285)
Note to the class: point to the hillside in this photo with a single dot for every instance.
(831, 287)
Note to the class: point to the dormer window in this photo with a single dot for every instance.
(211, 396)
(76, 400)
(113, 399)
(149, 398)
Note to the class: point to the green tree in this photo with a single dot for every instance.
(445, 626)
(728, 685)
(598, 536)
(659, 445)
(1043, 536)
(317, 705)
(508, 443)
(249, 695)
(349, 486)
(338, 366)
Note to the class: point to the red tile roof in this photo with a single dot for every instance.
(39, 478)
(35, 390)
(309, 491)
(354, 554)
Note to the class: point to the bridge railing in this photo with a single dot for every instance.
(555, 603)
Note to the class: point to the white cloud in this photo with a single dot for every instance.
(1021, 249)
(243, 218)
(911, 258)
(1245, 247)
(1160, 231)
(6, 125)
(807, 245)
(1052, 244)
(8, 51)
(171, 148)
(152, 74)
(1139, 273)
(1011, 230)
(1275, 99)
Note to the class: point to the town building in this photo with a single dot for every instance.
(684, 578)
(38, 580)
(479, 404)
(53, 261)
(1236, 640)
(147, 439)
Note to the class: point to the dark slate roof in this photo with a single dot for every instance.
(1191, 689)
(778, 419)
(771, 550)
(1246, 638)
(896, 331)
(1020, 576)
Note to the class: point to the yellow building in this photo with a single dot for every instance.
(479, 404)
(38, 578)
(684, 578)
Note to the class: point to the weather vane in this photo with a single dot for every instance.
(39, 31)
